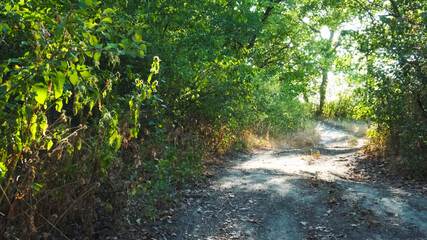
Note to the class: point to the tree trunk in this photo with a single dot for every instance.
(322, 91)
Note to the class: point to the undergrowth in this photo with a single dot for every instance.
(92, 128)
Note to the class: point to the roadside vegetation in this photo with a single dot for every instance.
(112, 107)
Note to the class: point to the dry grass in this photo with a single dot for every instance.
(305, 138)
(356, 127)
(251, 140)
(352, 141)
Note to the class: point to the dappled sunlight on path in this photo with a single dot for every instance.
(302, 193)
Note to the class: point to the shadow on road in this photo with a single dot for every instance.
(300, 194)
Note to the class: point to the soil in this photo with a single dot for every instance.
(329, 191)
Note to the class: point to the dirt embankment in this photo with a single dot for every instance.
(284, 193)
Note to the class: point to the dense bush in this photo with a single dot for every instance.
(63, 115)
(349, 106)
(343, 108)
(87, 124)
(396, 64)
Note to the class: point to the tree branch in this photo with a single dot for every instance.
(367, 10)
(252, 42)
(269, 60)
(395, 9)
(311, 27)
(267, 14)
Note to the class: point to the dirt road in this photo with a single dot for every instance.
(301, 194)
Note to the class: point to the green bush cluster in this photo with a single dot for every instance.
(349, 106)
(343, 108)
(394, 46)
(89, 119)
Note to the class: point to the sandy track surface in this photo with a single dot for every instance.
(288, 193)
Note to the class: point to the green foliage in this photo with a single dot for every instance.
(394, 46)
(343, 108)
(59, 107)
(348, 106)
(81, 113)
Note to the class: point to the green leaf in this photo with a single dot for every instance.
(58, 84)
(112, 45)
(36, 186)
(41, 90)
(64, 64)
(58, 105)
(93, 41)
(97, 56)
(59, 30)
(88, 3)
(91, 105)
(118, 142)
(33, 127)
(5, 28)
(89, 54)
(86, 74)
(107, 19)
(74, 56)
(106, 35)
(3, 169)
(138, 37)
(44, 125)
(79, 144)
(91, 24)
(74, 78)
(108, 10)
(112, 138)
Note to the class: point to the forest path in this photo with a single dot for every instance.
(314, 193)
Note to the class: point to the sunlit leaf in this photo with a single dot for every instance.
(44, 125)
(79, 144)
(93, 41)
(58, 84)
(138, 37)
(41, 91)
(108, 10)
(74, 78)
(58, 105)
(33, 127)
(85, 74)
(107, 19)
(97, 56)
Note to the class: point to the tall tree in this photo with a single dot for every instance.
(323, 18)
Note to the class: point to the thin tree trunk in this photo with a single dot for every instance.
(322, 91)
